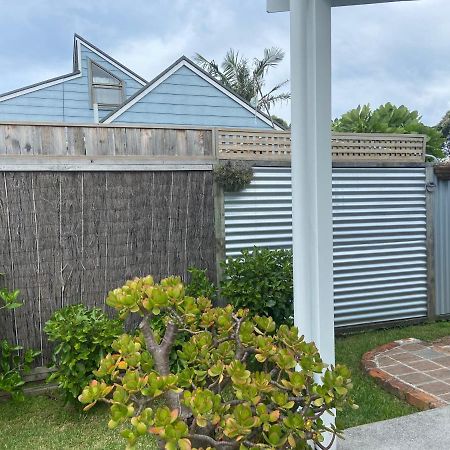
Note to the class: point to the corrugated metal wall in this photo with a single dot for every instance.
(379, 229)
(441, 210)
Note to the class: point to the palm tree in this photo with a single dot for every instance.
(246, 79)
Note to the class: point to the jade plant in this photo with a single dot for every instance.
(244, 384)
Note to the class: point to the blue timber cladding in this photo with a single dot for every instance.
(185, 98)
(67, 101)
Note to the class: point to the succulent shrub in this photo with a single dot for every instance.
(14, 361)
(261, 280)
(215, 401)
(83, 337)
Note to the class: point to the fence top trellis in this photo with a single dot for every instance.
(196, 143)
(345, 147)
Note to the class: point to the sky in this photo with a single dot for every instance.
(396, 52)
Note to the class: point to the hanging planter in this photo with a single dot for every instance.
(442, 170)
(233, 176)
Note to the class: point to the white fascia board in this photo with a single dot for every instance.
(70, 76)
(103, 56)
(274, 6)
(39, 87)
(164, 77)
(231, 95)
(363, 2)
(138, 97)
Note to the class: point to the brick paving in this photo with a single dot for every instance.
(415, 371)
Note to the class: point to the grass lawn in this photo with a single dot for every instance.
(374, 403)
(45, 423)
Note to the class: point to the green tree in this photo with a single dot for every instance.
(281, 122)
(247, 78)
(389, 118)
(444, 127)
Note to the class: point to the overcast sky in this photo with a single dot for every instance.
(389, 52)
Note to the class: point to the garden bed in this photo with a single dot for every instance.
(44, 421)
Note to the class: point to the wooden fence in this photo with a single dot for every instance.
(84, 207)
(113, 140)
(195, 144)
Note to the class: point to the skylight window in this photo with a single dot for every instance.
(107, 91)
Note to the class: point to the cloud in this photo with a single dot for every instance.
(388, 52)
(392, 53)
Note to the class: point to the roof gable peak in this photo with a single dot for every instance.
(77, 57)
(184, 61)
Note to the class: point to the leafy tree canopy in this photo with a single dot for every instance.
(281, 122)
(389, 118)
(444, 127)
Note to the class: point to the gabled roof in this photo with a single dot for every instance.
(185, 62)
(111, 60)
(77, 70)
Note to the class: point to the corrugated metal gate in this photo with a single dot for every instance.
(379, 231)
(442, 246)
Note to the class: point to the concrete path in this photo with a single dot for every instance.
(428, 430)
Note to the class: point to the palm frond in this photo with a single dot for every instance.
(272, 57)
(246, 79)
(212, 68)
(276, 88)
(271, 100)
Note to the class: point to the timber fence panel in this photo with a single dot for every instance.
(98, 140)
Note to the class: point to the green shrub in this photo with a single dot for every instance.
(9, 299)
(14, 362)
(233, 175)
(83, 337)
(215, 401)
(13, 366)
(200, 285)
(261, 280)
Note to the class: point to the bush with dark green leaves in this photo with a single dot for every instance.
(218, 401)
(261, 280)
(83, 337)
(389, 118)
(200, 285)
(14, 361)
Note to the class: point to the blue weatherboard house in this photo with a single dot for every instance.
(100, 89)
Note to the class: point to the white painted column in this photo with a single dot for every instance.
(311, 173)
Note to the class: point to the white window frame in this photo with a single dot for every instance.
(120, 86)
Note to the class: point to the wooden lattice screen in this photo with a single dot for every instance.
(346, 147)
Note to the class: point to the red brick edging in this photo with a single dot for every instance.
(404, 391)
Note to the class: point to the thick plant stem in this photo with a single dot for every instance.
(160, 353)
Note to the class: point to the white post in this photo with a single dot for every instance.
(311, 173)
